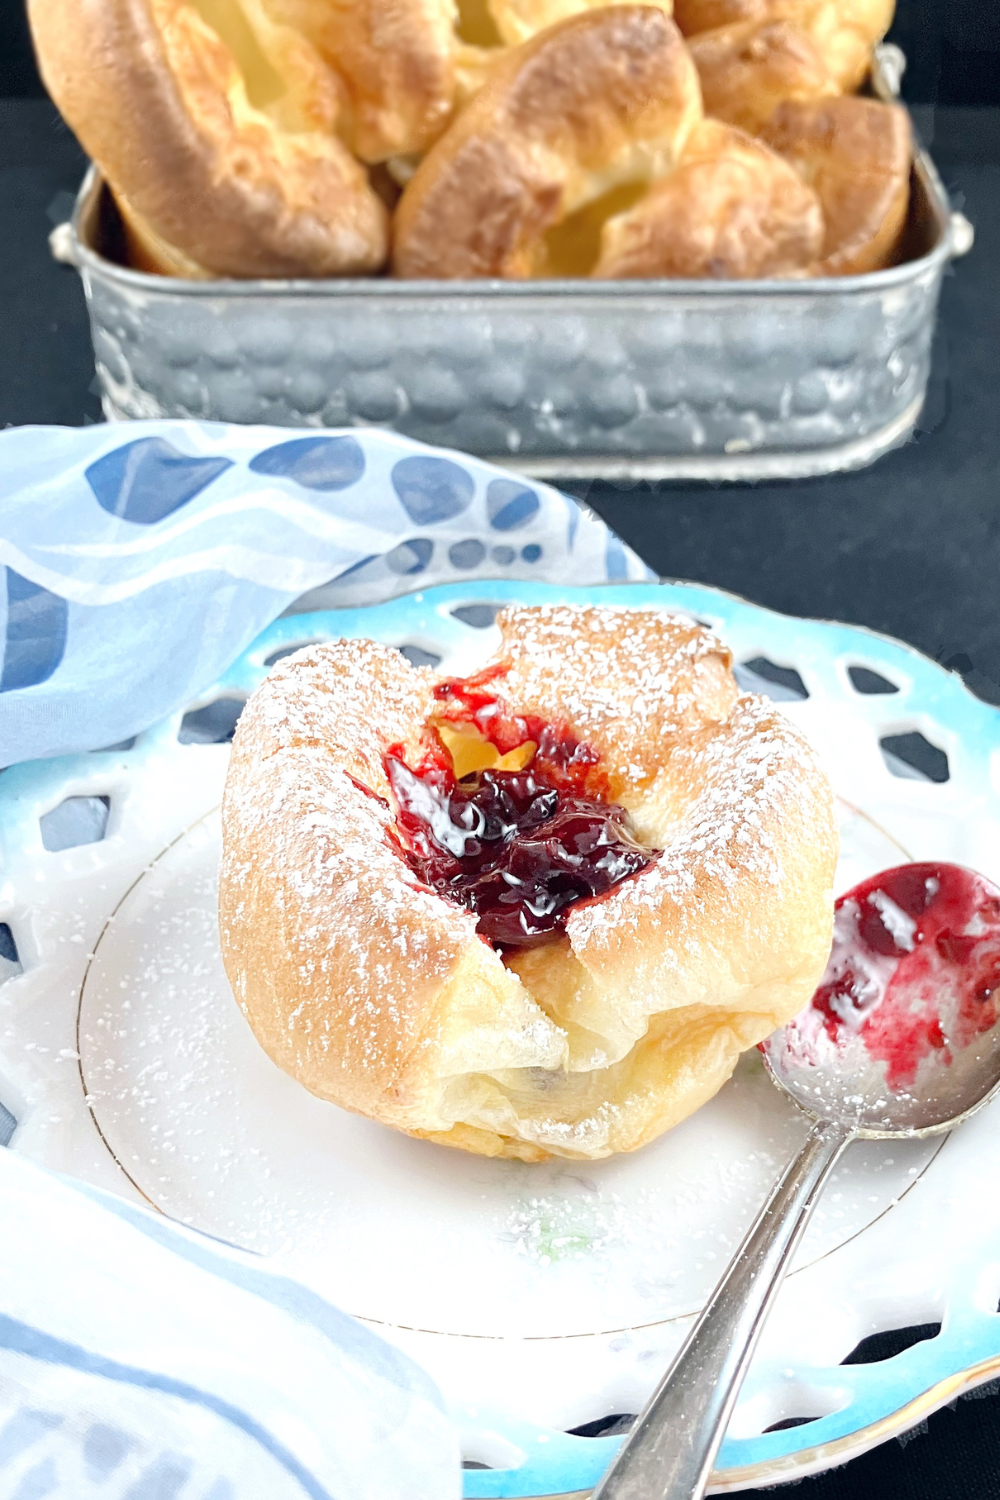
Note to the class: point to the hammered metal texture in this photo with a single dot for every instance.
(631, 372)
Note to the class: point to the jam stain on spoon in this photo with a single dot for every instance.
(901, 1039)
(913, 978)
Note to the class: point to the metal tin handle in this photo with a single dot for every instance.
(961, 235)
(62, 245)
(889, 67)
(669, 1453)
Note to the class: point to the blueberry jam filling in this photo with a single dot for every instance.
(519, 847)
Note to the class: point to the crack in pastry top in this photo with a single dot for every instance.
(721, 782)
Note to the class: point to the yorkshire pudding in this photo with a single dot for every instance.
(519, 20)
(396, 60)
(218, 169)
(844, 31)
(732, 209)
(364, 976)
(855, 154)
(747, 70)
(601, 102)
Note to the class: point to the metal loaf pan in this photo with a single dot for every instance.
(573, 379)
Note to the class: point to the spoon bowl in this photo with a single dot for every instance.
(902, 1038)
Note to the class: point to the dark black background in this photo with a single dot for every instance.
(910, 546)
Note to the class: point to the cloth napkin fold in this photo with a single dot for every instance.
(142, 559)
(142, 1361)
(139, 1360)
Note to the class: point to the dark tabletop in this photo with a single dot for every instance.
(910, 546)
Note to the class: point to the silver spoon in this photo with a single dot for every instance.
(901, 1039)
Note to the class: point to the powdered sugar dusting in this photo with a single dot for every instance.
(745, 781)
(350, 699)
(314, 898)
(341, 958)
(630, 680)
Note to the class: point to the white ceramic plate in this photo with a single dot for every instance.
(547, 1297)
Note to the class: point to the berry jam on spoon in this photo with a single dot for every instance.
(900, 1029)
(902, 1038)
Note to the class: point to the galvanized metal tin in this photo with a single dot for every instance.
(575, 379)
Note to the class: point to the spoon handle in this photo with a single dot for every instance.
(668, 1454)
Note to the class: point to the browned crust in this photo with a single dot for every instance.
(605, 92)
(856, 154)
(693, 16)
(397, 61)
(733, 209)
(746, 70)
(155, 99)
(844, 30)
(518, 20)
(378, 995)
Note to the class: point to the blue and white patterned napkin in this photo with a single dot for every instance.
(139, 1361)
(142, 559)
